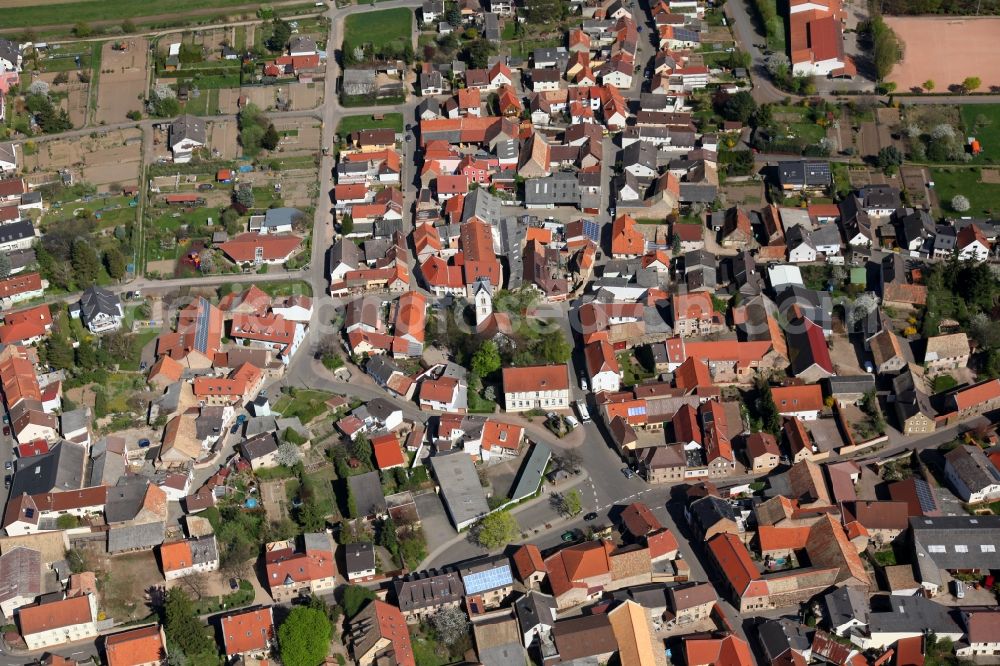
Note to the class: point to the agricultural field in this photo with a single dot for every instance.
(104, 160)
(34, 13)
(980, 186)
(384, 27)
(122, 79)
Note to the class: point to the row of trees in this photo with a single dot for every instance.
(887, 50)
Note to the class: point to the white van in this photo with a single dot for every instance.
(581, 409)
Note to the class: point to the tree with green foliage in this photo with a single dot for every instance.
(496, 529)
(5, 267)
(304, 637)
(231, 220)
(281, 32)
(82, 29)
(486, 360)
(86, 266)
(67, 521)
(58, 352)
(183, 627)
(478, 53)
(889, 157)
(114, 262)
(128, 26)
(570, 503)
(887, 49)
(347, 224)
(738, 107)
(387, 537)
(929, 85)
(270, 139)
(86, 355)
(164, 107)
(767, 411)
(243, 195)
(354, 598)
(361, 448)
(971, 83)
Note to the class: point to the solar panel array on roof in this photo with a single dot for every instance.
(924, 495)
(490, 579)
(636, 411)
(201, 326)
(592, 230)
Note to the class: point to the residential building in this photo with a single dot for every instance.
(145, 646)
(972, 475)
(379, 635)
(191, 556)
(186, 134)
(420, 595)
(248, 633)
(946, 352)
(359, 562)
(295, 570)
(536, 387)
(54, 623)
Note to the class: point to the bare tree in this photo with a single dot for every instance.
(197, 583)
(451, 624)
(288, 455)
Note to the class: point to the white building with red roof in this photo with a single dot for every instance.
(257, 249)
(536, 387)
(272, 331)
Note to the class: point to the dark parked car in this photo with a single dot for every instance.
(143, 443)
(590, 516)
(234, 584)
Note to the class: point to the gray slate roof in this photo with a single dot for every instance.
(187, 127)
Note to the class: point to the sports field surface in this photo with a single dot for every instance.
(946, 50)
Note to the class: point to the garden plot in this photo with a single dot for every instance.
(123, 78)
(223, 139)
(101, 159)
(75, 101)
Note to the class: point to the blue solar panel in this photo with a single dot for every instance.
(592, 230)
(490, 579)
(201, 326)
(636, 411)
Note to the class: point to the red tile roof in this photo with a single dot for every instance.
(135, 647)
(388, 453)
(55, 615)
(249, 631)
(243, 248)
(536, 378)
(798, 398)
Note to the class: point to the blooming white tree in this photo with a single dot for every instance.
(960, 203)
(288, 455)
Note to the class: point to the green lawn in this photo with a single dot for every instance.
(357, 123)
(307, 404)
(983, 122)
(378, 27)
(99, 10)
(948, 182)
(800, 126)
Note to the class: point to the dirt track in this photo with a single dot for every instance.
(946, 50)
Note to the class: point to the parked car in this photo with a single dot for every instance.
(584, 386)
(591, 516)
(8, 465)
(569, 535)
(234, 584)
(581, 409)
(573, 423)
(143, 443)
(627, 471)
